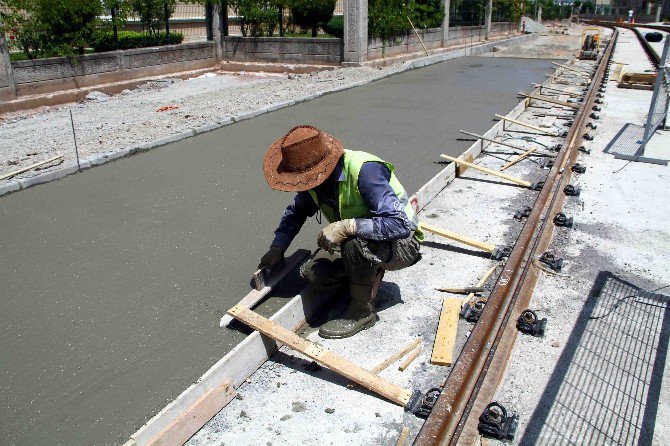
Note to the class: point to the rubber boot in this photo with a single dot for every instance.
(359, 314)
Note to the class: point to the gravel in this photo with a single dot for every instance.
(155, 110)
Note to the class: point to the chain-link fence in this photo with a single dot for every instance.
(658, 110)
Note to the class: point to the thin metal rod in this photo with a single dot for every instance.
(74, 137)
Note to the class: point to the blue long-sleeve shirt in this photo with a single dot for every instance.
(388, 221)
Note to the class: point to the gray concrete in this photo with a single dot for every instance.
(283, 49)
(355, 31)
(115, 278)
(58, 73)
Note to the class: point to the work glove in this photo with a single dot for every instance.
(332, 235)
(272, 259)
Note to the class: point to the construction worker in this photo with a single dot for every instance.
(372, 225)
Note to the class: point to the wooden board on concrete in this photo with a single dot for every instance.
(328, 359)
(182, 428)
(445, 338)
(256, 296)
(237, 365)
(460, 168)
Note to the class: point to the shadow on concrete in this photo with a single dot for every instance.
(606, 386)
(457, 249)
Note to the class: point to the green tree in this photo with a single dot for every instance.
(257, 17)
(51, 27)
(311, 14)
(154, 14)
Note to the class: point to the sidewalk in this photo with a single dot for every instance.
(599, 376)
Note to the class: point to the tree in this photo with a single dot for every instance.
(154, 14)
(311, 14)
(51, 27)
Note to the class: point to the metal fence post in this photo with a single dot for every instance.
(216, 26)
(660, 92)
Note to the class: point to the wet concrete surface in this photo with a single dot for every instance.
(114, 280)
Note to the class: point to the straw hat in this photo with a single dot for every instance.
(301, 160)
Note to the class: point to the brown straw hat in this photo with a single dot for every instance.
(301, 160)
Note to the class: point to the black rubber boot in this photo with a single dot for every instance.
(359, 314)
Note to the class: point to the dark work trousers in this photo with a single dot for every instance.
(358, 263)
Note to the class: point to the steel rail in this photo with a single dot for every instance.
(452, 409)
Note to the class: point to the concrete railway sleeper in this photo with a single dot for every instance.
(477, 372)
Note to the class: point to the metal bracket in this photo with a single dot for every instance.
(572, 191)
(553, 262)
(568, 123)
(421, 404)
(496, 423)
(500, 252)
(528, 323)
(594, 116)
(548, 163)
(556, 148)
(578, 168)
(537, 186)
(561, 219)
(595, 108)
(592, 126)
(584, 150)
(471, 313)
(563, 134)
(587, 137)
(522, 213)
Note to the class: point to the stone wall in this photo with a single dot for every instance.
(283, 49)
(409, 43)
(61, 73)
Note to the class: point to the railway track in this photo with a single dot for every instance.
(479, 368)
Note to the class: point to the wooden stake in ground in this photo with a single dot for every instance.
(256, 296)
(489, 171)
(328, 359)
(403, 436)
(445, 338)
(504, 143)
(417, 35)
(481, 283)
(527, 125)
(391, 359)
(548, 99)
(31, 167)
(488, 247)
(572, 69)
(412, 356)
(518, 158)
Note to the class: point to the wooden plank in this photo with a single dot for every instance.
(481, 283)
(238, 365)
(550, 100)
(639, 78)
(572, 69)
(31, 167)
(461, 168)
(527, 125)
(489, 171)
(459, 238)
(403, 436)
(412, 356)
(445, 338)
(518, 158)
(190, 422)
(256, 296)
(394, 357)
(326, 358)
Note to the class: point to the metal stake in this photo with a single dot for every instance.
(74, 136)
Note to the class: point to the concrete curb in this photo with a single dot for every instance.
(102, 158)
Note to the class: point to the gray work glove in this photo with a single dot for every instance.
(332, 235)
(272, 259)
